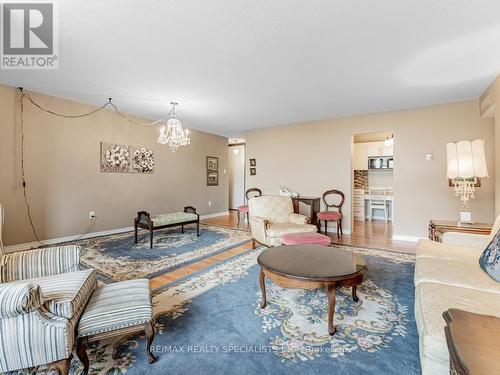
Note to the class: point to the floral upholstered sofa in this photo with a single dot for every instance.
(42, 296)
(272, 216)
(448, 275)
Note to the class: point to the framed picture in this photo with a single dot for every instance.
(253, 163)
(212, 178)
(212, 163)
(118, 158)
(477, 181)
(253, 171)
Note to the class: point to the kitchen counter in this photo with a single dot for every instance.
(387, 197)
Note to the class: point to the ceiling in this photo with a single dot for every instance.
(237, 65)
(373, 137)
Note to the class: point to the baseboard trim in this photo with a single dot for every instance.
(53, 241)
(209, 216)
(334, 230)
(402, 237)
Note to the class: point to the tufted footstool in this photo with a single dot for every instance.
(118, 309)
(305, 238)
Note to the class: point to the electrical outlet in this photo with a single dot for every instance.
(91, 214)
(209, 203)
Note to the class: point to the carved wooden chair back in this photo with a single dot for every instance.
(256, 192)
(338, 205)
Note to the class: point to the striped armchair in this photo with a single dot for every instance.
(42, 296)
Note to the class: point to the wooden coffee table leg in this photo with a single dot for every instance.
(262, 281)
(354, 294)
(330, 288)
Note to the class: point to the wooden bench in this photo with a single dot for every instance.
(174, 219)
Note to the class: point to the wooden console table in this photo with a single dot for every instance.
(314, 207)
(472, 342)
(438, 227)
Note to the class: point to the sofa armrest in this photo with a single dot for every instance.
(48, 261)
(466, 239)
(299, 219)
(19, 298)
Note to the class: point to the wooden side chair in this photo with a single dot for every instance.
(250, 193)
(327, 215)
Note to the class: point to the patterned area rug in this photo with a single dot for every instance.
(117, 258)
(211, 323)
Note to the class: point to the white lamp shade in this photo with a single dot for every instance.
(466, 159)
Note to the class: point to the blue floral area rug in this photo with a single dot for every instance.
(211, 323)
(117, 258)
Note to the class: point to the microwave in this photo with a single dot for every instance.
(381, 162)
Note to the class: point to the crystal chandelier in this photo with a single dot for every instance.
(172, 133)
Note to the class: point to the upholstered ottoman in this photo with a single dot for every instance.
(118, 309)
(305, 238)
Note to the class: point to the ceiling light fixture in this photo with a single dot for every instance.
(172, 133)
(389, 141)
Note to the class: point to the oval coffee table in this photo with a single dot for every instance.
(312, 267)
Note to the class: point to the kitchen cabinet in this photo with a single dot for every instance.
(379, 149)
(374, 148)
(388, 150)
(359, 204)
(360, 156)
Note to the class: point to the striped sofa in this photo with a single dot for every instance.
(42, 296)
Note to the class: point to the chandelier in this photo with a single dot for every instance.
(172, 133)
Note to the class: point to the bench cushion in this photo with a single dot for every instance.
(173, 218)
(116, 306)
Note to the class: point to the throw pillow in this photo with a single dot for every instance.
(490, 258)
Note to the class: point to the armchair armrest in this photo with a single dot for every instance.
(258, 227)
(26, 326)
(466, 239)
(299, 219)
(48, 261)
(19, 298)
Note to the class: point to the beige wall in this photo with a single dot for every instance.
(63, 177)
(496, 100)
(490, 108)
(313, 157)
(496, 96)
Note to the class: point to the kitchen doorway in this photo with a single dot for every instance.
(372, 188)
(236, 174)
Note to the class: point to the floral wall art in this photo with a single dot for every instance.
(120, 158)
(143, 160)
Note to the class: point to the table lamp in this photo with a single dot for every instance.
(466, 161)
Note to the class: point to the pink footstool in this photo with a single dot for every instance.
(305, 238)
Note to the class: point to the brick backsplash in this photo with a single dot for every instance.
(361, 180)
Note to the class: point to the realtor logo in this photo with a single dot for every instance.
(29, 36)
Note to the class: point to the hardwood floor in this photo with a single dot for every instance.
(198, 266)
(376, 234)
